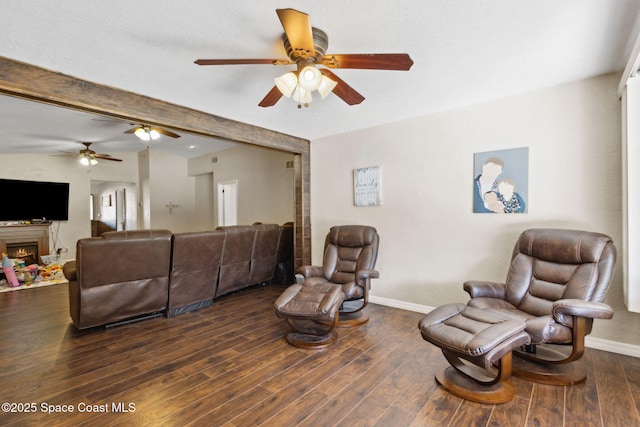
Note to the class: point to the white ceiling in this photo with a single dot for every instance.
(464, 52)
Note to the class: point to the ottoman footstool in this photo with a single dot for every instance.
(483, 338)
(312, 313)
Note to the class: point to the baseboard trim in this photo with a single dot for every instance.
(612, 346)
(590, 342)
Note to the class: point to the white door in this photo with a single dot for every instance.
(121, 209)
(228, 203)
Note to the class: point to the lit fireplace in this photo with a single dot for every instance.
(26, 251)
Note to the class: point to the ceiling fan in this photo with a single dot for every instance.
(147, 133)
(306, 46)
(88, 157)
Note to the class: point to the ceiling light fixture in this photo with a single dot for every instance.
(87, 160)
(299, 86)
(145, 133)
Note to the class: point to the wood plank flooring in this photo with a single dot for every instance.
(229, 365)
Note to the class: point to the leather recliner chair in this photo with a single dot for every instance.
(235, 266)
(264, 256)
(350, 254)
(195, 266)
(119, 276)
(556, 283)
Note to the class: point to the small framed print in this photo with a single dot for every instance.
(106, 200)
(366, 186)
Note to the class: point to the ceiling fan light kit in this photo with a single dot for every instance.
(146, 133)
(87, 160)
(300, 85)
(306, 47)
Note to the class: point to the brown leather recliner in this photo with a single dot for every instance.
(350, 254)
(556, 284)
(118, 276)
(264, 257)
(195, 266)
(235, 266)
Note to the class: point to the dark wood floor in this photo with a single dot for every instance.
(230, 365)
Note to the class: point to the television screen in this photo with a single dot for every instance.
(28, 200)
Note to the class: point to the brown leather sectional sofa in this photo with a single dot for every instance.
(124, 275)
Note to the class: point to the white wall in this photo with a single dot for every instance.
(430, 241)
(38, 167)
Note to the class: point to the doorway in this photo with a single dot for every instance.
(113, 206)
(228, 203)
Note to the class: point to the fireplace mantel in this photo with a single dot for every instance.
(25, 233)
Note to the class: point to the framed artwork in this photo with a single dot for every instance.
(366, 186)
(106, 200)
(501, 181)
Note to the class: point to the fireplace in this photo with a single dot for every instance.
(25, 251)
(25, 241)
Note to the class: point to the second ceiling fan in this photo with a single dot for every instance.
(147, 133)
(306, 47)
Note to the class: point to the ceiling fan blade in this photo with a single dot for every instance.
(106, 157)
(297, 27)
(343, 90)
(373, 61)
(132, 130)
(272, 97)
(166, 132)
(240, 61)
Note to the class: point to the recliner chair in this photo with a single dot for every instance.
(120, 276)
(556, 283)
(350, 253)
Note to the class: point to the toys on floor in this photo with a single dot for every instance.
(17, 273)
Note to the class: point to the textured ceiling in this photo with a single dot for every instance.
(464, 52)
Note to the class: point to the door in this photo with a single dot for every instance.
(228, 203)
(121, 209)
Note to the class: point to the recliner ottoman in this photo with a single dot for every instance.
(312, 312)
(484, 338)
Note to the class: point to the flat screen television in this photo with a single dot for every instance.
(29, 200)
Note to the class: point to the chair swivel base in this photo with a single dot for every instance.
(466, 388)
(349, 320)
(548, 373)
(302, 340)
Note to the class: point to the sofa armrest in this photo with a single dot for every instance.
(311, 271)
(564, 310)
(485, 289)
(69, 271)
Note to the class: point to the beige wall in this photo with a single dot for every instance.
(169, 183)
(430, 239)
(265, 186)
